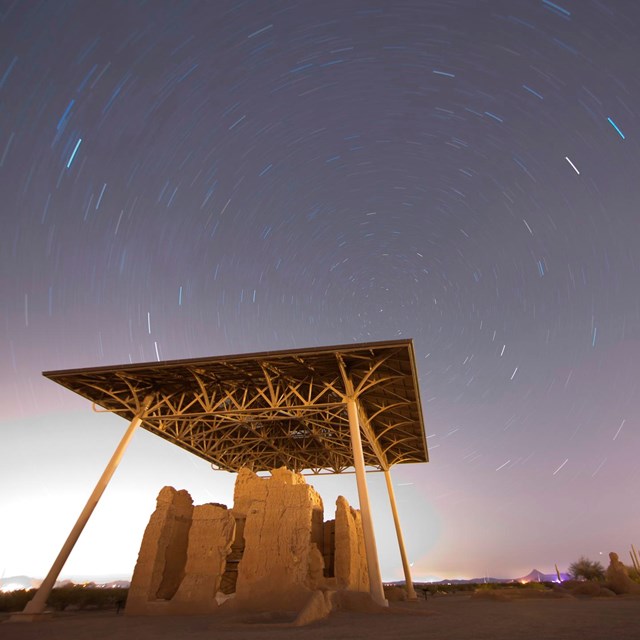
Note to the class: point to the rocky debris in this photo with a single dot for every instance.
(618, 579)
(617, 582)
(359, 601)
(318, 606)
(393, 593)
(587, 588)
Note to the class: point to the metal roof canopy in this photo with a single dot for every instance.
(324, 408)
(273, 409)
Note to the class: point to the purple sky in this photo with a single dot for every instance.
(183, 179)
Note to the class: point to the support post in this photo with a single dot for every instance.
(36, 606)
(375, 581)
(411, 593)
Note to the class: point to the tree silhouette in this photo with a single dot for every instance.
(586, 569)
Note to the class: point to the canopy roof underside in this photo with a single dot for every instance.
(274, 409)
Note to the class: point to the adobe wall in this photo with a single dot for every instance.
(283, 535)
(210, 538)
(350, 559)
(268, 553)
(163, 552)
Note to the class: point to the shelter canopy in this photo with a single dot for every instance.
(273, 409)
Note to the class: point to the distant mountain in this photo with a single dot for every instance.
(485, 580)
(13, 583)
(113, 581)
(533, 576)
(538, 576)
(435, 580)
(104, 579)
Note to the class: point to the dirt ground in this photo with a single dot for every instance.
(452, 617)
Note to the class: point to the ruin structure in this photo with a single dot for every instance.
(321, 409)
(271, 551)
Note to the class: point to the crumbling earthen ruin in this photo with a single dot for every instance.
(272, 551)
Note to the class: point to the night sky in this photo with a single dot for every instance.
(190, 179)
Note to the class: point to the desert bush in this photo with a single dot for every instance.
(586, 569)
(537, 586)
(80, 597)
(634, 574)
(15, 600)
(75, 596)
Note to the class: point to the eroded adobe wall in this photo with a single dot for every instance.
(271, 551)
(163, 552)
(350, 560)
(210, 538)
(283, 538)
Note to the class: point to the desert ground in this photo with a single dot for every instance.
(449, 617)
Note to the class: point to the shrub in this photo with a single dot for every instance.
(537, 586)
(585, 569)
(80, 597)
(15, 600)
(634, 574)
(75, 596)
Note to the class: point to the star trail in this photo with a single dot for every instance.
(184, 179)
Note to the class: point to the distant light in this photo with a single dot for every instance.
(12, 586)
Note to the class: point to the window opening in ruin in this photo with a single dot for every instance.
(230, 575)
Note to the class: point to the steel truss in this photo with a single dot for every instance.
(265, 411)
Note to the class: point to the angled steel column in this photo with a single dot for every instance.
(411, 593)
(37, 604)
(375, 581)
